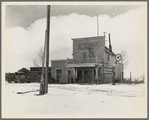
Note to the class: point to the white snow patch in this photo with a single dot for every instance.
(75, 101)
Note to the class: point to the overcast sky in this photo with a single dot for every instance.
(20, 15)
(25, 32)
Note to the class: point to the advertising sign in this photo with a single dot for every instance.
(108, 71)
(118, 57)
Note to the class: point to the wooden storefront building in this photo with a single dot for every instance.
(92, 63)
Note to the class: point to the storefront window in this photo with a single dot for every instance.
(59, 73)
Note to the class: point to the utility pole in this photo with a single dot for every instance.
(47, 50)
(42, 81)
(97, 27)
(118, 73)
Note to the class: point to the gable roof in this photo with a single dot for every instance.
(38, 69)
(23, 70)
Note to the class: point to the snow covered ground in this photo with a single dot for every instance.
(74, 101)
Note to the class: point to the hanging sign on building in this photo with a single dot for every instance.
(118, 57)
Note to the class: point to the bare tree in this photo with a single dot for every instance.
(125, 60)
(39, 62)
(40, 58)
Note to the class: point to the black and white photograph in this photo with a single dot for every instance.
(74, 59)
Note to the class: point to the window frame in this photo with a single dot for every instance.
(56, 72)
(84, 55)
(108, 57)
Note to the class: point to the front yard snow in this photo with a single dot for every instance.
(74, 101)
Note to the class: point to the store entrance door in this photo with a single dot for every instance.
(79, 76)
(88, 76)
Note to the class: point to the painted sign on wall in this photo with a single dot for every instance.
(86, 46)
(108, 71)
(89, 48)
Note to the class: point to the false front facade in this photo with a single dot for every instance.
(92, 63)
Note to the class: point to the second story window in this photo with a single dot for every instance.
(84, 55)
(108, 57)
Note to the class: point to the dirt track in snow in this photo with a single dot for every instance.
(75, 101)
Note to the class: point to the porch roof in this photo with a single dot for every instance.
(83, 65)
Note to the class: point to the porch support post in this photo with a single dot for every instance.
(92, 76)
(103, 74)
(100, 77)
(73, 69)
(97, 75)
(75, 76)
(67, 76)
(82, 75)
